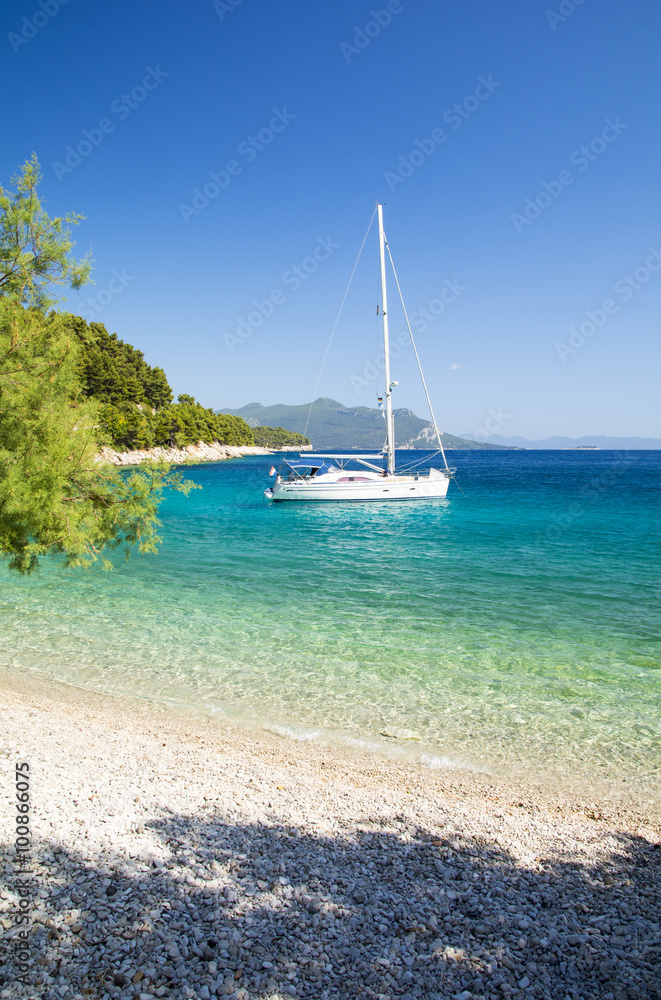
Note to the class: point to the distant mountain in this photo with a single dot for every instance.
(334, 426)
(589, 441)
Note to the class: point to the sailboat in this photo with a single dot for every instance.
(331, 477)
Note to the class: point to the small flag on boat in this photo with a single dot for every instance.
(272, 471)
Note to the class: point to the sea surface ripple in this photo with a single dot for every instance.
(514, 628)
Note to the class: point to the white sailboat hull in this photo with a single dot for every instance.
(431, 485)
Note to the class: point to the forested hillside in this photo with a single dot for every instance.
(136, 408)
(278, 438)
(54, 497)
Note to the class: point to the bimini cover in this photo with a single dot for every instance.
(320, 468)
(324, 468)
(295, 464)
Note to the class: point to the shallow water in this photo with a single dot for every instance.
(514, 629)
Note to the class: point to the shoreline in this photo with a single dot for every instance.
(200, 452)
(408, 879)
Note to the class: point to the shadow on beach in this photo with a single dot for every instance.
(256, 911)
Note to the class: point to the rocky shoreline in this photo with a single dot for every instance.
(184, 857)
(200, 452)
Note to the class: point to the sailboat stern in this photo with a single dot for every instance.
(439, 481)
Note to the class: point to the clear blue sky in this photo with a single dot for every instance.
(335, 103)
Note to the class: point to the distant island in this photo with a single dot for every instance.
(333, 426)
(591, 442)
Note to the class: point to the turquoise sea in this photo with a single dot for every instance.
(513, 629)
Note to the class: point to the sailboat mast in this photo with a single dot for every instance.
(386, 347)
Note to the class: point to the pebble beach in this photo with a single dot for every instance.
(176, 856)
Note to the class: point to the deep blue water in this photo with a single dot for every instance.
(515, 628)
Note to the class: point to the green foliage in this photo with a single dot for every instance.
(232, 430)
(127, 426)
(34, 249)
(114, 372)
(53, 495)
(137, 410)
(278, 437)
(130, 426)
(54, 498)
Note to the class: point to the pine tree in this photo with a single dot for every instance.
(54, 497)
